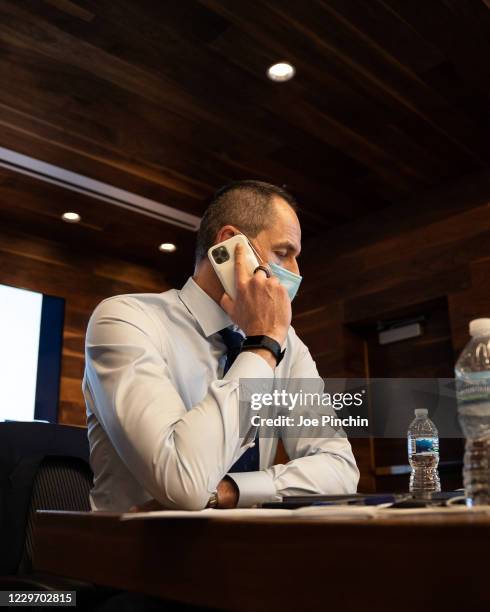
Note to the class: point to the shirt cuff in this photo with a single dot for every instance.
(249, 365)
(254, 488)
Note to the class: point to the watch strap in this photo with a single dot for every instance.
(264, 342)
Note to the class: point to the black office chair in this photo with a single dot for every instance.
(42, 466)
(45, 466)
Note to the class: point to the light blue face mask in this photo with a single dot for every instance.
(288, 279)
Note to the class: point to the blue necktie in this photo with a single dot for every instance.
(250, 460)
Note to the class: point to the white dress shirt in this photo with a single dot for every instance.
(163, 421)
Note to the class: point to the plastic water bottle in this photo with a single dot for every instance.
(473, 392)
(423, 455)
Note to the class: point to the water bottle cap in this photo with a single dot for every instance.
(421, 412)
(480, 327)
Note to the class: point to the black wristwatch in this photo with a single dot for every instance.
(265, 342)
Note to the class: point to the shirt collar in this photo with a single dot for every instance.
(209, 315)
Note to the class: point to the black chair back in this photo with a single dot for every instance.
(61, 483)
(42, 466)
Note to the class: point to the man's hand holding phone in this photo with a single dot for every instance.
(261, 305)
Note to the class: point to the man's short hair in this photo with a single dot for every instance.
(248, 205)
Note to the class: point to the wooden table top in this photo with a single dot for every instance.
(271, 563)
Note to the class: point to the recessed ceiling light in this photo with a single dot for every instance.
(283, 71)
(71, 217)
(167, 247)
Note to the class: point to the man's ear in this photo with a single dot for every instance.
(226, 232)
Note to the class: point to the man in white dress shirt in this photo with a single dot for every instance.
(161, 388)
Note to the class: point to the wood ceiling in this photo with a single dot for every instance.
(169, 100)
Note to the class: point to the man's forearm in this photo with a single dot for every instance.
(228, 495)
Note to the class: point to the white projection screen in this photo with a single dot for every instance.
(31, 326)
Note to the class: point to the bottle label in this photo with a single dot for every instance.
(426, 445)
(473, 387)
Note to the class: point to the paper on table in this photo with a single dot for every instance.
(347, 512)
(335, 512)
(323, 512)
(209, 513)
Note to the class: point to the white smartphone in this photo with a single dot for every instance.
(222, 258)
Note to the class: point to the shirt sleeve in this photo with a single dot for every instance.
(177, 455)
(318, 465)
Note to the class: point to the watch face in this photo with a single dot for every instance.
(213, 500)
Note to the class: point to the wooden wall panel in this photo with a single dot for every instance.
(470, 304)
(83, 280)
(432, 251)
(407, 254)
